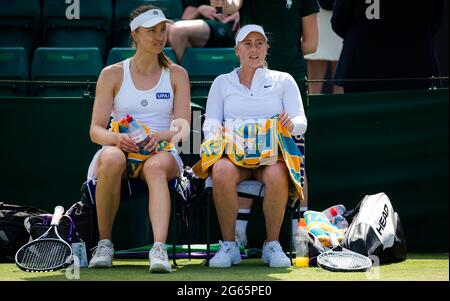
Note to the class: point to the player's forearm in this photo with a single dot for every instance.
(309, 47)
(191, 13)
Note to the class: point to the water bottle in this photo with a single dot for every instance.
(339, 222)
(301, 245)
(137, 132)
(334, 210)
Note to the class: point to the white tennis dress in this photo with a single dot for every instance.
(154, 107)
(330, 44)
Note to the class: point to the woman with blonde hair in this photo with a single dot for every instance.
(252, 93)
(156, 92)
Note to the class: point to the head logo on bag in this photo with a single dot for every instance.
(383, 219)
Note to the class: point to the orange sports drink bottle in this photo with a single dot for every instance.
(301, 245)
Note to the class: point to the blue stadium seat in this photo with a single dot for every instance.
(14, 66)
(205, 64)
(118, 54)
(93, 28)
(65, 64)
(19, 24)
(173, 9)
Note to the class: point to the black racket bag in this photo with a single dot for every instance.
(13, 233)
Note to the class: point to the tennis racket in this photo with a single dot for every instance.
(339, 259)
(47, 253)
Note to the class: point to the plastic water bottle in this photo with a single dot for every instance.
(339, 222)
(137, 132)
(334, 210)
(301, 245)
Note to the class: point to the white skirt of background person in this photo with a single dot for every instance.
(330, 44)
(91, 170)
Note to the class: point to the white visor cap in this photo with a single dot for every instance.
(244, 32)
(149, 19)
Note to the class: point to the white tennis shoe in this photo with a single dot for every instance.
(159, 260)
(227, 255)
(103, 255)
(273, 255)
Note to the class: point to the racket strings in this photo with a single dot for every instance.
(45, 254)
(345, 261)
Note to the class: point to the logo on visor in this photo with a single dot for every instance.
(155, 12)
(162, 95)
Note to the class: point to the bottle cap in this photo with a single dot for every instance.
(333, 211)
(302, 223)
(123, 120)
(129, 118)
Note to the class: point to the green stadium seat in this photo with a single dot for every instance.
(205, 64)
(14, 66)
(118, 54)
(173, 9)
(65, 64)
(92, 29)
(19, 24)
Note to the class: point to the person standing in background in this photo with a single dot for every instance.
(328, 51)
(379, 44)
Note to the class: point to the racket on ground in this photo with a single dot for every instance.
(47, 253)
(339, 259)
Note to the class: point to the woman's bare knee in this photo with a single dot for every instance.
(154, 168)
(224, 171)
(112, 160)
(276, 175)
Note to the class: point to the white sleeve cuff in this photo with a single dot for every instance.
(300, 125)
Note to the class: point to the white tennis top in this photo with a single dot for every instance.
(272, 92)
(154, 107)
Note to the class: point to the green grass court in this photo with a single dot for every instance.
(418, 267)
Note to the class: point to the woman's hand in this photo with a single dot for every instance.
(233, 18)
(125, 143)
(155, 138)
(286, 121)
(207, 11)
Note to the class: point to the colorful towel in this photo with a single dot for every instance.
(319, 225)
(135, 161)
(252, 145)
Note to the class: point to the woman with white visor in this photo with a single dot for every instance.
(156, 92)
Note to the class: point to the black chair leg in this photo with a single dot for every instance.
(291, 217)
(188, 232)
(294, 209)
(174, 226)
(208, 246)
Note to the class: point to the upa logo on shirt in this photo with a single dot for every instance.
(163, 95)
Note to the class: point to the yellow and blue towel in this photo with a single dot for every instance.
(319, 225)
(135, 161)
(252, 145)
